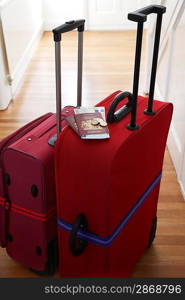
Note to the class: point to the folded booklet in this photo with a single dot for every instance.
(89, 125)
(89, 110)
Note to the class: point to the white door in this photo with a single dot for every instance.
(111, 14)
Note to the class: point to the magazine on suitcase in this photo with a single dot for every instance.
(107, 190)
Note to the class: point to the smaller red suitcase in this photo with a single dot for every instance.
(107, 190)
(27, 195)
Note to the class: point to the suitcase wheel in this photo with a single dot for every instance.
(152, 232)
(52, 262)
(76, 245)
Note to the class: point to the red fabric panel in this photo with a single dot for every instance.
(28, 233)
(117, 260)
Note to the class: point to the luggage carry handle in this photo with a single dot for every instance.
(140, 16)
(57, 35)
(115, 116)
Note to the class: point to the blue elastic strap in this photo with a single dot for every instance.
(101, 241)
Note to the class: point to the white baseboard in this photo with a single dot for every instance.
(182, 188)
(17, 76)
(174, 146)
(5, 90)
(158, 95)
(175, 150)
(173, 142)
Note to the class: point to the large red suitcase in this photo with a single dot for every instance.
(107, 190)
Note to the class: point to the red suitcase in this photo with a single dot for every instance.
(27, 195)
(107, 190)
(27, 192)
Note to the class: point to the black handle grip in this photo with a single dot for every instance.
(66, 27)
(77, 246)
(115, 116)
(140, 15)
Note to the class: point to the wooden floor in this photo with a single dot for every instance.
(108, 66)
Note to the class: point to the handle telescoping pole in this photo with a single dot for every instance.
(140, 16)
(57, 33)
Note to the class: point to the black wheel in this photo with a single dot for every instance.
(152, 232)
(52, 263)
(76, 245)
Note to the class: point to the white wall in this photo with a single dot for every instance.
(171, 81)
(5, 90)
(112, 14)
(99, 14)
(57, 12)
(176, 94)
(22, 23)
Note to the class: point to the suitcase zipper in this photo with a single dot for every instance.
(45, 127)
(22, 131)
(30, 213)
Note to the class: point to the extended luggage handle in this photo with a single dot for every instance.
(66, 27)
(57, 35)
(140, 16)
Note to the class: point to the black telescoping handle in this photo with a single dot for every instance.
(66, 27)
(140, 16)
